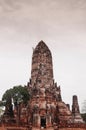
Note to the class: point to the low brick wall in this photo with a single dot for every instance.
(72, 125)
(72, 128)
(13, 128)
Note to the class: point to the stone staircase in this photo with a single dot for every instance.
(50, 128)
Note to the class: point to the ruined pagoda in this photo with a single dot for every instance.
(45, 109)
(46, 106)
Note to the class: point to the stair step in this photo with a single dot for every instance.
(50, 128)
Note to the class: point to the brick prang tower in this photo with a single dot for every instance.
(46, 107)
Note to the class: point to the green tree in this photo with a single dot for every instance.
(17, 93)
(84, 107)
(84, 117)
(84, 110)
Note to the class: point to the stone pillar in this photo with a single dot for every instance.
(75, 106)
(75, 111)
(36, 120)
(48, 121)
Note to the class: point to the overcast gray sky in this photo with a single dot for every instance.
(61, 24)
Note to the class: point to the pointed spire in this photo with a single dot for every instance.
(41, 43)
(42, 63)
(42, 47)
(75, 110)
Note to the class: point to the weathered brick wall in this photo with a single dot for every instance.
(72, 129)
(42, 68)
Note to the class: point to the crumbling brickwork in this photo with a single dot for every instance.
(47, 107)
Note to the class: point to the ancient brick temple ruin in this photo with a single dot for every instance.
(46, 105)
(46, 108)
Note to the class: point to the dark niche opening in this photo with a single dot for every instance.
(43, 122)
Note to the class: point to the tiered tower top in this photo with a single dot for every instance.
(42, 68)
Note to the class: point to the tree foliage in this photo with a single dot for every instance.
(84, 111)
(84, 107)
(17, 93)
(84, 117)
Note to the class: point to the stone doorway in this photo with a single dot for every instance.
(43, 122)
